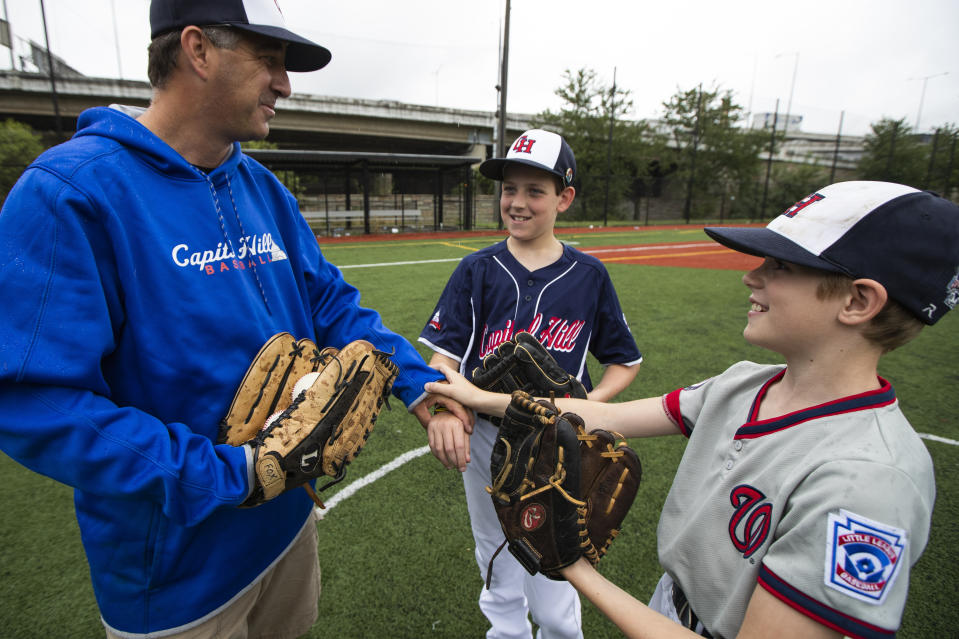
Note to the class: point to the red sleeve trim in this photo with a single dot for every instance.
(671, 407)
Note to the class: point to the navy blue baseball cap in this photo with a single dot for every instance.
(256, 16)
(539, 149)
(904, 238)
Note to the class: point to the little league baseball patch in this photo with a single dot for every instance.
(862, 556)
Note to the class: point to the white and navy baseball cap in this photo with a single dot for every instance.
(539, 149)
(256, 16)
(904, 238)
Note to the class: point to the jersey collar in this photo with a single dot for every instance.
(753, 428)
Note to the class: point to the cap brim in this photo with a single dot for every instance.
(762, 242)
(301, 54)
(494, 167)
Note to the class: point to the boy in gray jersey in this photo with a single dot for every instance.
(804, 496)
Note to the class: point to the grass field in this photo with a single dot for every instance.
(397, 554)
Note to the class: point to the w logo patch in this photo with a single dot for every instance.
(750, 523)
(862, 556)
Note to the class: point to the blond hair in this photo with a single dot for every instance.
(892, 327)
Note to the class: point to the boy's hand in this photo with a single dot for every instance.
(449, 440)
(460, 389)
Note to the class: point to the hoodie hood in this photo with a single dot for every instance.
(118, 123)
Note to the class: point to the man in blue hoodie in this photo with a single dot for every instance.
(144, 263)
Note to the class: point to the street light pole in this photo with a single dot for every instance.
(792, 87)
(922, 95)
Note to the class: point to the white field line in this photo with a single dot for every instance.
(937, 438)
(369, 479)
(448, 259)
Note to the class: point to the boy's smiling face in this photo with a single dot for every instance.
(529, 203)
(786, 315)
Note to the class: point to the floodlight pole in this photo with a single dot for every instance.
(609, 147)
(53, 81)
(769, 163)
(501, 125)
(835, 155)
(687, 205)
(792, 87)
(504, 64)
(116, 38)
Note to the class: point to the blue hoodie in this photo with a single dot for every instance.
(137, 291)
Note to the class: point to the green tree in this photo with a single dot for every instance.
(19, 145)
(892, 153)
(718, 160)
(942, 170)
(607, 165)
(792, 182)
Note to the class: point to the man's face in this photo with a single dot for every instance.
(247, 81)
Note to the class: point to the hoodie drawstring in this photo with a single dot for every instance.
(226, 236)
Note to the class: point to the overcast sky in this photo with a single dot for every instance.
(867, 58)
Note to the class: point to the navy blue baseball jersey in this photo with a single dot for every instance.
(570, 306)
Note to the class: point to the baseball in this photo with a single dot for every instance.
(304, 382)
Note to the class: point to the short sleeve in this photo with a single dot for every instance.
(684, 405)
(612, 341)
(450, 325)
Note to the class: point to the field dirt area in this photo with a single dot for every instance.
(683, 254)
(692, 254)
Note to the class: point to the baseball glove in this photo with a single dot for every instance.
(523, 363)
(323, 425)
(536, 486)
(610, 473)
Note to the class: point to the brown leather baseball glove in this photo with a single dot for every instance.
(305, 412)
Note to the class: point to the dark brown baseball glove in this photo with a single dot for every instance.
(523, 363)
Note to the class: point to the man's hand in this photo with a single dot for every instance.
(422, 411)
(459, 389)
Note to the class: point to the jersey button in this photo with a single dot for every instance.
(729, 465)
(529, 298)
(738, 445)
(530, 282)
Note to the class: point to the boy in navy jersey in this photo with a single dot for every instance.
(528, 282)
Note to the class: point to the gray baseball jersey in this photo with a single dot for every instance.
(827, 508)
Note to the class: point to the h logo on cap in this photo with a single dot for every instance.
(801, 204)
(523, 145)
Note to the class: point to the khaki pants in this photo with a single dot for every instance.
(282, 605)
